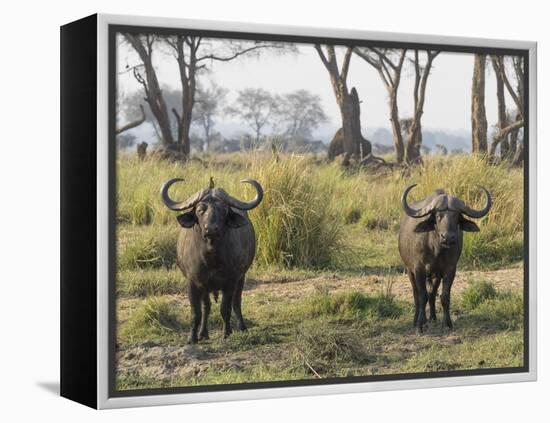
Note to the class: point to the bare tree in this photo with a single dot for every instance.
(502, 115)
(389, 64)
(414, 134)
(130, 108)
(193, 55)
(348, 102)
(301, 112)
(208, 105)
(479, 116)
(518, 98)
(257, 108)
(146, 75)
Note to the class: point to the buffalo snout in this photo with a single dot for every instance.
(448, 239)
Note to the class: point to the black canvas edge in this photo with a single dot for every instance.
(113, 393)
(78, 267)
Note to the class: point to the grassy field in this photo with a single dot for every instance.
(326, 295)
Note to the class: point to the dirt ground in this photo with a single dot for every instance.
(165, 363)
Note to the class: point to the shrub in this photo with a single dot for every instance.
(476, 293)
(293, 224)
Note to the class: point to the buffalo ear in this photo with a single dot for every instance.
(467, 225)
(187, 220)
(426, 225)
(235, 220)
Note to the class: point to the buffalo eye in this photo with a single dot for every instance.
(426, 225)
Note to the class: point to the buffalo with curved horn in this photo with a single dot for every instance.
(215, 248)
(430, 244)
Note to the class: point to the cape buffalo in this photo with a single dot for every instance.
(215, 248)
(430, 243)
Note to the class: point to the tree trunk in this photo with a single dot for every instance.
(502, 118)
(348, 102)
(351, 124)
(518, 156)
(396, 128)
(414, 136)
(514, 139)
(479, 117)
(153, 93)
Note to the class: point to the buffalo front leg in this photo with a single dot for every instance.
(446, 298)
(206, 304)
(237, 296)
(415, 296)
(422, 298)
(225, 309)
(196, 313)
(434, 286)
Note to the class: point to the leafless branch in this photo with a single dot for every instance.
(345, 64)
(134, 123)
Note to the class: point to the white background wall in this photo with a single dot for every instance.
(29, 210)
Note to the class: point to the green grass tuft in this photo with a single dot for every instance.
(144, 283)
(146, 247)
(504, 312)
(155, 319)
(476, 293)
(352, 305)
(320, 347)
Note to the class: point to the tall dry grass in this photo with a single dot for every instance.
(310, 207)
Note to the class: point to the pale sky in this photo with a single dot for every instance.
(447, 104)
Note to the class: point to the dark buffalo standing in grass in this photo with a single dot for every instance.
(215, 248)
(430, 243)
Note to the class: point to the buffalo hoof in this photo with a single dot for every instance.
(241, 327)
(203, 336)
(448, 325)
(192, 339)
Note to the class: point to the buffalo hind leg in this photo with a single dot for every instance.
(225, 309)
(446, 298)
(196, 313)
(206, 304)
(422, 298)
(237, 296)
(434, 283)
(415, 296)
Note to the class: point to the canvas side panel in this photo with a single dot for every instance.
(78, 211)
